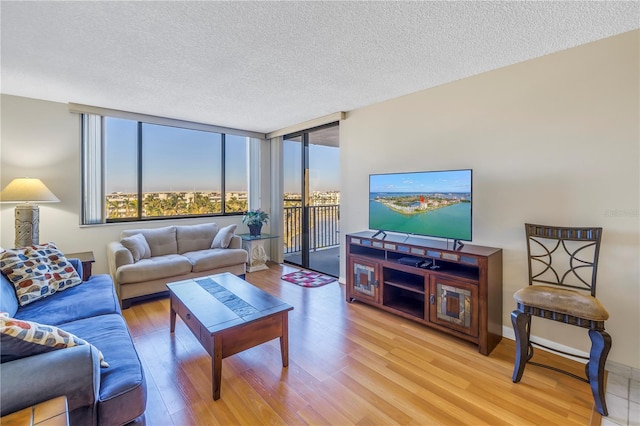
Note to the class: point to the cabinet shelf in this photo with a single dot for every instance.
(408, 287)
(463, 296)
(472, 274)
(408, 306)
(410, 281)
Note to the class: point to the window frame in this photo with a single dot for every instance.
(97, 188)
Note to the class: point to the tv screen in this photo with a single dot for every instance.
(430, 203)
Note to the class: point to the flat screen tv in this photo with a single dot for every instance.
(431, 203)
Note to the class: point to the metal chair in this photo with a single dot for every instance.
(563, 260)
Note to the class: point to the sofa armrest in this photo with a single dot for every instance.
(117, 256)
(236, 242)
(77, 265)
(73, 372)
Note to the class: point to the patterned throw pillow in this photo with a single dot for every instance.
(38, 271)
(20, 338)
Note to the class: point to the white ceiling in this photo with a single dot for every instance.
(262, 66)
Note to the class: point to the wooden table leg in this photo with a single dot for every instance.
(216, 366)
(172, 318)
(284, 338)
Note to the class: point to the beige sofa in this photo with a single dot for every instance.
(145, 260)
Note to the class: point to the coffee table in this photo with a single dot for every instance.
(228, 315)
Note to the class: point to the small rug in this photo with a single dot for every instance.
(308, 278)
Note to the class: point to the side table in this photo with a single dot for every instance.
(87, 260)
(257, 254)
(53, 412)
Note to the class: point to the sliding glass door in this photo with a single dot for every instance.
(312, 199)
(292, 198)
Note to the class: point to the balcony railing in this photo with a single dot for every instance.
(323, 227)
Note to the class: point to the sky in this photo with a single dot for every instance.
(324, 167)
(429, 181)
(175, 159)
(178, 159)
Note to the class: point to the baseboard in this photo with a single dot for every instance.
(623, 370)
(508, 333)
(611, 366)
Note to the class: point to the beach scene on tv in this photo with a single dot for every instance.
(436, 204)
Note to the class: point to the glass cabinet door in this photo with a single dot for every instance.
(454, 305)
(364, 280)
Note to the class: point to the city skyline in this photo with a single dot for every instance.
(171, 203)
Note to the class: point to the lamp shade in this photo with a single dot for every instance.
(22, 190)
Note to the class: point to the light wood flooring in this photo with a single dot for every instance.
(350, 364)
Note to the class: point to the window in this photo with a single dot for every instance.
(134, 170)
(235, 173)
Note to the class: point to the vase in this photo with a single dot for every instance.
(254, 230)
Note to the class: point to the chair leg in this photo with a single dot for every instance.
(521, 325)
(600, 346)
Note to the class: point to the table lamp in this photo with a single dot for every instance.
(27, 191)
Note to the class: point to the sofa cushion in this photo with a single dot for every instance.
(138, 246)
(195, 237)
(161, 241)
(96, 296)
(204, 260)
(122, 385)
(154, 268)
(223, 237)
(38, 271)
(20, 338)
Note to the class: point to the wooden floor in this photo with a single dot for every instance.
(350, 364)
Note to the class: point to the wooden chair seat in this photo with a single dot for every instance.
(563, 301)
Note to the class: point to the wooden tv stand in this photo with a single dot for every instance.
(461, 295)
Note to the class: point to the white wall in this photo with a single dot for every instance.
(42, 139)
(554, 140)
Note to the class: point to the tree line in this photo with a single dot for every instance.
(174, 204)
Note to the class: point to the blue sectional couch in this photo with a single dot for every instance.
(95, 396)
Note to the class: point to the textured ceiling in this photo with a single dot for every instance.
(263, 66)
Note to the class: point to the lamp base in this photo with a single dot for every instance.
(27, 225)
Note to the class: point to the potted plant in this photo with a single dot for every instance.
(255, 219)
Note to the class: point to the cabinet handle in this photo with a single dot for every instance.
(375, 283)
(432, 299)
(188, 316)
